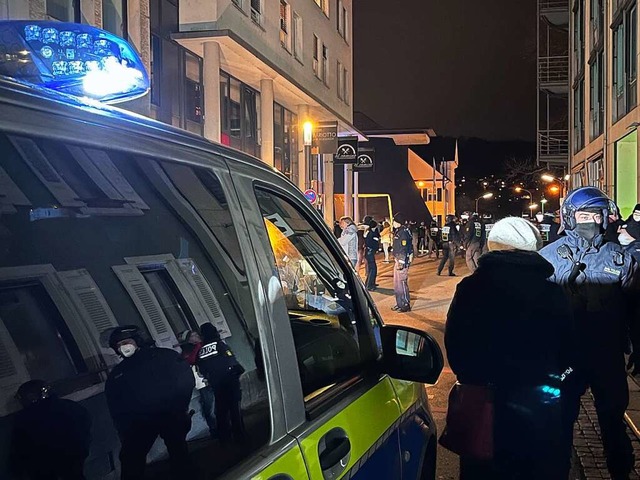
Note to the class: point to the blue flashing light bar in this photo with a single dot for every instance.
(71, 58)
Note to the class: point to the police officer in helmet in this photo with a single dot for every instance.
(148, 395)
(600, 281)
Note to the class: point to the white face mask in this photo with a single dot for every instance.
(127, 350)
(636, 216)
(396, 225)
(624, 238)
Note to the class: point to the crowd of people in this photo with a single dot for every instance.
(148, 395)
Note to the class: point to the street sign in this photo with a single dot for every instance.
(325, 137)
(366, 160)
(347, 151)
(311, 195)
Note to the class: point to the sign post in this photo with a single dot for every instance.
(366, 161)
(311, 195)
(325, 137)
(347, 151)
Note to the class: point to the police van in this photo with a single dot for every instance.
(108, 218)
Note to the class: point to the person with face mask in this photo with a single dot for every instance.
(148, 395)
(600, 280)
(403, 255)
(635, 215)
(629, 238)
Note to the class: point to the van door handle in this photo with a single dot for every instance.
(334, 450)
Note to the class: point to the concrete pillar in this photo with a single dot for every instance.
(348, 190)
(303, 116)
(328, 189)
(266, 120)
(356, 202)
(211, 78)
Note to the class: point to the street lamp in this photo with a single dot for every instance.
(547, 177)
(486, 196)
(532, 207)
(543, 201)
(520, 189)
(307, 140)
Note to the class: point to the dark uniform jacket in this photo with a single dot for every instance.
(217, 363)
(450, 235)
(372, 239)
(601, 290)
(402, 244)
(151, 382)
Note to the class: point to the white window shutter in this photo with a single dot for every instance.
(147, 304)
(10, 193)
(94, 172)
(93, 307)
(12, 369)
(205, 295)
(36, 160)
(109, 170)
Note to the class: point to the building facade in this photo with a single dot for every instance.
(604, 114)
(244, 73)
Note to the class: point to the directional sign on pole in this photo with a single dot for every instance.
(366, 160)
(347, 151)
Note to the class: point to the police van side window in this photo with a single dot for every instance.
(332, 340)
(95, 239)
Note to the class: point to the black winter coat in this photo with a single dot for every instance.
(524, 335)
(151, 382)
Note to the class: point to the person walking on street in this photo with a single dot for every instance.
(435, 238)
(514, 352)
(422, 234)
(474, 241)
(403, 255)
(415, 237)
(386, 237)
(222, 370)
(349, 239)
(372, 244)
(600, 280)
(450, 242)
(148, 395)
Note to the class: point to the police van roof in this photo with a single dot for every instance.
(43, 100)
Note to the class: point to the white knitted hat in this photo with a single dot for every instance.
(514, 233)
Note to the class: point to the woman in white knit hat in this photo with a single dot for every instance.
(509, 329)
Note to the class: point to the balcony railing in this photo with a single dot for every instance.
(553, 144)
(553, 70)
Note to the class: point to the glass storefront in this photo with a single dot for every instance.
(285, 141)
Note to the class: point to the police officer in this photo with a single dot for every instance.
(222, 370)
(403, 255)
(434, 236)
(450, 242)
(549, 228)
(148, 395)
(371, 245)
(600, 280)
(474, 241)
(51, 436)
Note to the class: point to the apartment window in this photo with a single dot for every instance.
(577, 179)
(285, 141)
(256, 11)
(324, 6)
(342, 19)
(578, 116)
(340, 81)
(625, 36)
(597, 23)
(317, 45)
(596, 113)
(240, 116)
(64, 10)
(325, 64)
(114, 17)
(237, 3)
(297, 36)
(284, 25)
(595, 173)
(193, 93)
(345, 82)
(578, 38)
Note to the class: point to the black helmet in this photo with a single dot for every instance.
(209, 332)
(450, 218)
(124, 332)
(33, 391)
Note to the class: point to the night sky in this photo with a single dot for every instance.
(461, 67)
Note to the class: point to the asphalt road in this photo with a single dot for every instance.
(430, 299)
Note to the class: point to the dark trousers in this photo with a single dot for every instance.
(206, 404)
(139, 437)
(228, 415)
(47, 468)
(372, 268)
(448, 254)
(607, 378)
(472, 255)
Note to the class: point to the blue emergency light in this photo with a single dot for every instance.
(71, 58)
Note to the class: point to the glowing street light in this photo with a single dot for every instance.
(307, 133)
(486, 196)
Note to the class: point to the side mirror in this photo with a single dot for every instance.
(411, 354)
